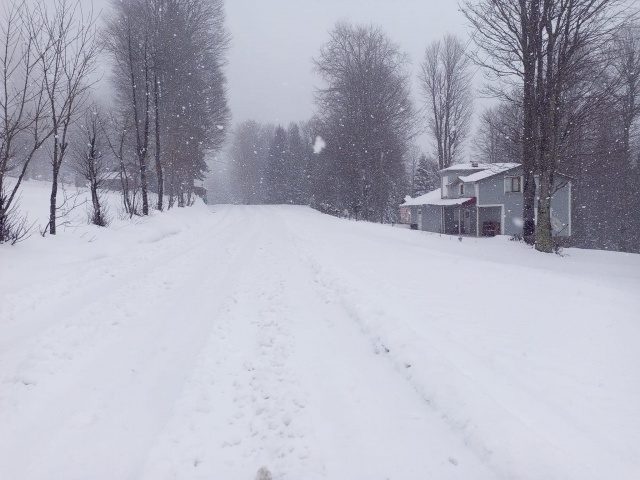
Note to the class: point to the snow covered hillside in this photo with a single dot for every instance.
(206, 343)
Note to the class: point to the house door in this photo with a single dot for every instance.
(419, 219)
(467, 221)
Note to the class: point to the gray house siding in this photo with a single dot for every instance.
(452, 175)
(431, 218)
(491, 192)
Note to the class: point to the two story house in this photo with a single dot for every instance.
(483, 199)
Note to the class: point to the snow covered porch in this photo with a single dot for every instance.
(459, 218)
(451, 216)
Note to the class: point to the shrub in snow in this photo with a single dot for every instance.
(13, 226)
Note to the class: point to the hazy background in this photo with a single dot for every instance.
(270, 60)
(270, 70)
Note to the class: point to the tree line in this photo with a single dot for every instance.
(168, 110)
(354, 156)
(271, 164)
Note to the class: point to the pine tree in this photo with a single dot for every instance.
(246, 154)
(426, 177)
(297, 167)
(275, 176)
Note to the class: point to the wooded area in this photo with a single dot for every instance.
(169, 108)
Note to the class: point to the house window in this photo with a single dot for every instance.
(462, 189)
(513, 184)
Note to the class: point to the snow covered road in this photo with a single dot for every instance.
(245, 337)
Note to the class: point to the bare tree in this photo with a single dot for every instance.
(554, 49)
(161, 14)
(128, 40)
(366, 119)
(626, 64)
(67, 51)
(445, 77)
(508, 34)
(169, 57)
(24, 125)
(198, 105)
(90, 162)
(116, 134)
(499, 135)
(570, 84)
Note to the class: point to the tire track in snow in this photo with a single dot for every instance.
(388, 342)
(489, 429)
(102, 288)
(343, 315)
(49, 298)
(289, 382)
(241, 405)
(138, 386)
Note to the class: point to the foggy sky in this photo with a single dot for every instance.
(270, 69)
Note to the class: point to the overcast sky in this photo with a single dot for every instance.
(270, 70)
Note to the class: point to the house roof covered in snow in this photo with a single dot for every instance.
(491, 170)
(434, 198)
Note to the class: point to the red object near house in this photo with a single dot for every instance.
(490, 229)
(405, 215)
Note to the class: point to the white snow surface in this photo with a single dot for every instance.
(208, 342)
(426, 199)
(497, 167)
(493, 169)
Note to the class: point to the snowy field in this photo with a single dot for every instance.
(205, 343)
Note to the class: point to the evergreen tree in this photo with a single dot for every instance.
(297, 167)
(426, 176)
(275, 176)
(247, 156)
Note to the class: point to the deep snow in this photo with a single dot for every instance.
(211, 341)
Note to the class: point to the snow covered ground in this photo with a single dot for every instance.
(205, 343)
